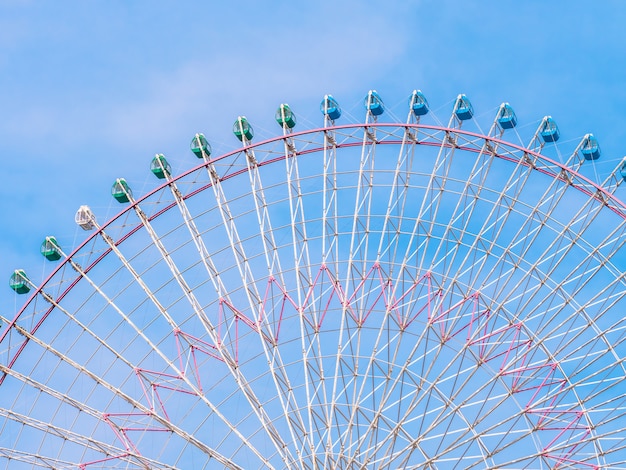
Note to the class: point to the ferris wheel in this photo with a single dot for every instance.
(377, 294)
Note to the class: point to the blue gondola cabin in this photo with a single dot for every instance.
(374, 103)
(506, 116)
(590, 147)
(549, 130)
(622, 170)
(418, 103)
(463, 108)
(330, 107)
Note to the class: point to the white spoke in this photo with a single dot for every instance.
(380, 294)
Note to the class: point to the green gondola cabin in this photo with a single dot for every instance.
(285, 117)
(160, 166)
(19, 282)
(121, 191)
(242, 128)
(200, 146)
(51, 249)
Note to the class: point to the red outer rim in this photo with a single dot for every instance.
(618, 207)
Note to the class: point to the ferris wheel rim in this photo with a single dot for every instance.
(267, 162)
(254, 145)
(249, 145)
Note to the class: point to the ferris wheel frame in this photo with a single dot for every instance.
(330, 137)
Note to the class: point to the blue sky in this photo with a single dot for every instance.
(90, 91)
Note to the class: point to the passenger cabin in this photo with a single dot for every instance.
(463, 108)
(506, 116)
(19, 282)
(622, 169)
(85, 218)
(330, 107)
(200, 146)
(285, 117)
(121, 191)
(549, 130)
(418, 103)
(50, 249)
(242, 128)
(590, 147)
(160, 166)
(373, 103)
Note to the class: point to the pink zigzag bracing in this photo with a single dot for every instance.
(122, 431)
(467, 319)
(151, 382)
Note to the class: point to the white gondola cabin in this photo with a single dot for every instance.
(85, 218)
